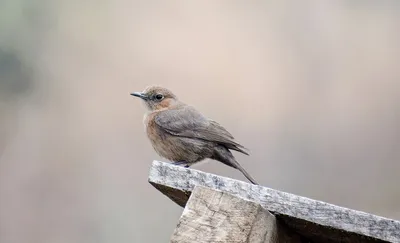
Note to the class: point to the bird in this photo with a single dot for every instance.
(182, 135)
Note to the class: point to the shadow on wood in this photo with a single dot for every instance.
(314, 220)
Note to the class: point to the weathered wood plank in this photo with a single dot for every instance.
(315, 220)
(215, 216)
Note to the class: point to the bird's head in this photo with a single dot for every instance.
(157, 98)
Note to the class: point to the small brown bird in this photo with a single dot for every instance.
(181, 134)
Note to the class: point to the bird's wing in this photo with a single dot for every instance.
(188, 122)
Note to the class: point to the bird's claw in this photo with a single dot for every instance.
(181, 163)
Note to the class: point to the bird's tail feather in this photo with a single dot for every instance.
(244, 172)
(225, 156)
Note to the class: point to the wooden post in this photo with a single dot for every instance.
(313, 220)
(216, 216)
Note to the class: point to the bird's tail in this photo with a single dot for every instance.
(225, 156)
(244, 172)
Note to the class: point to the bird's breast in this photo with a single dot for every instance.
(160, 140)
(151, 126)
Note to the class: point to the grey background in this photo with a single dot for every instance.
(312, 88)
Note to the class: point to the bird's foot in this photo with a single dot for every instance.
(182, 163)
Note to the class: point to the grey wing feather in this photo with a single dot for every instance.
(221, 128)
(188, 122)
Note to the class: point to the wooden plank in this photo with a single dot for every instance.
(315, 220)
(216, 216)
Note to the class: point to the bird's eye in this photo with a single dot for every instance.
(159, 96)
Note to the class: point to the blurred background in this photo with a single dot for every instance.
(312, 88)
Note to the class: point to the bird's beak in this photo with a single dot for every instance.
(140, 95)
